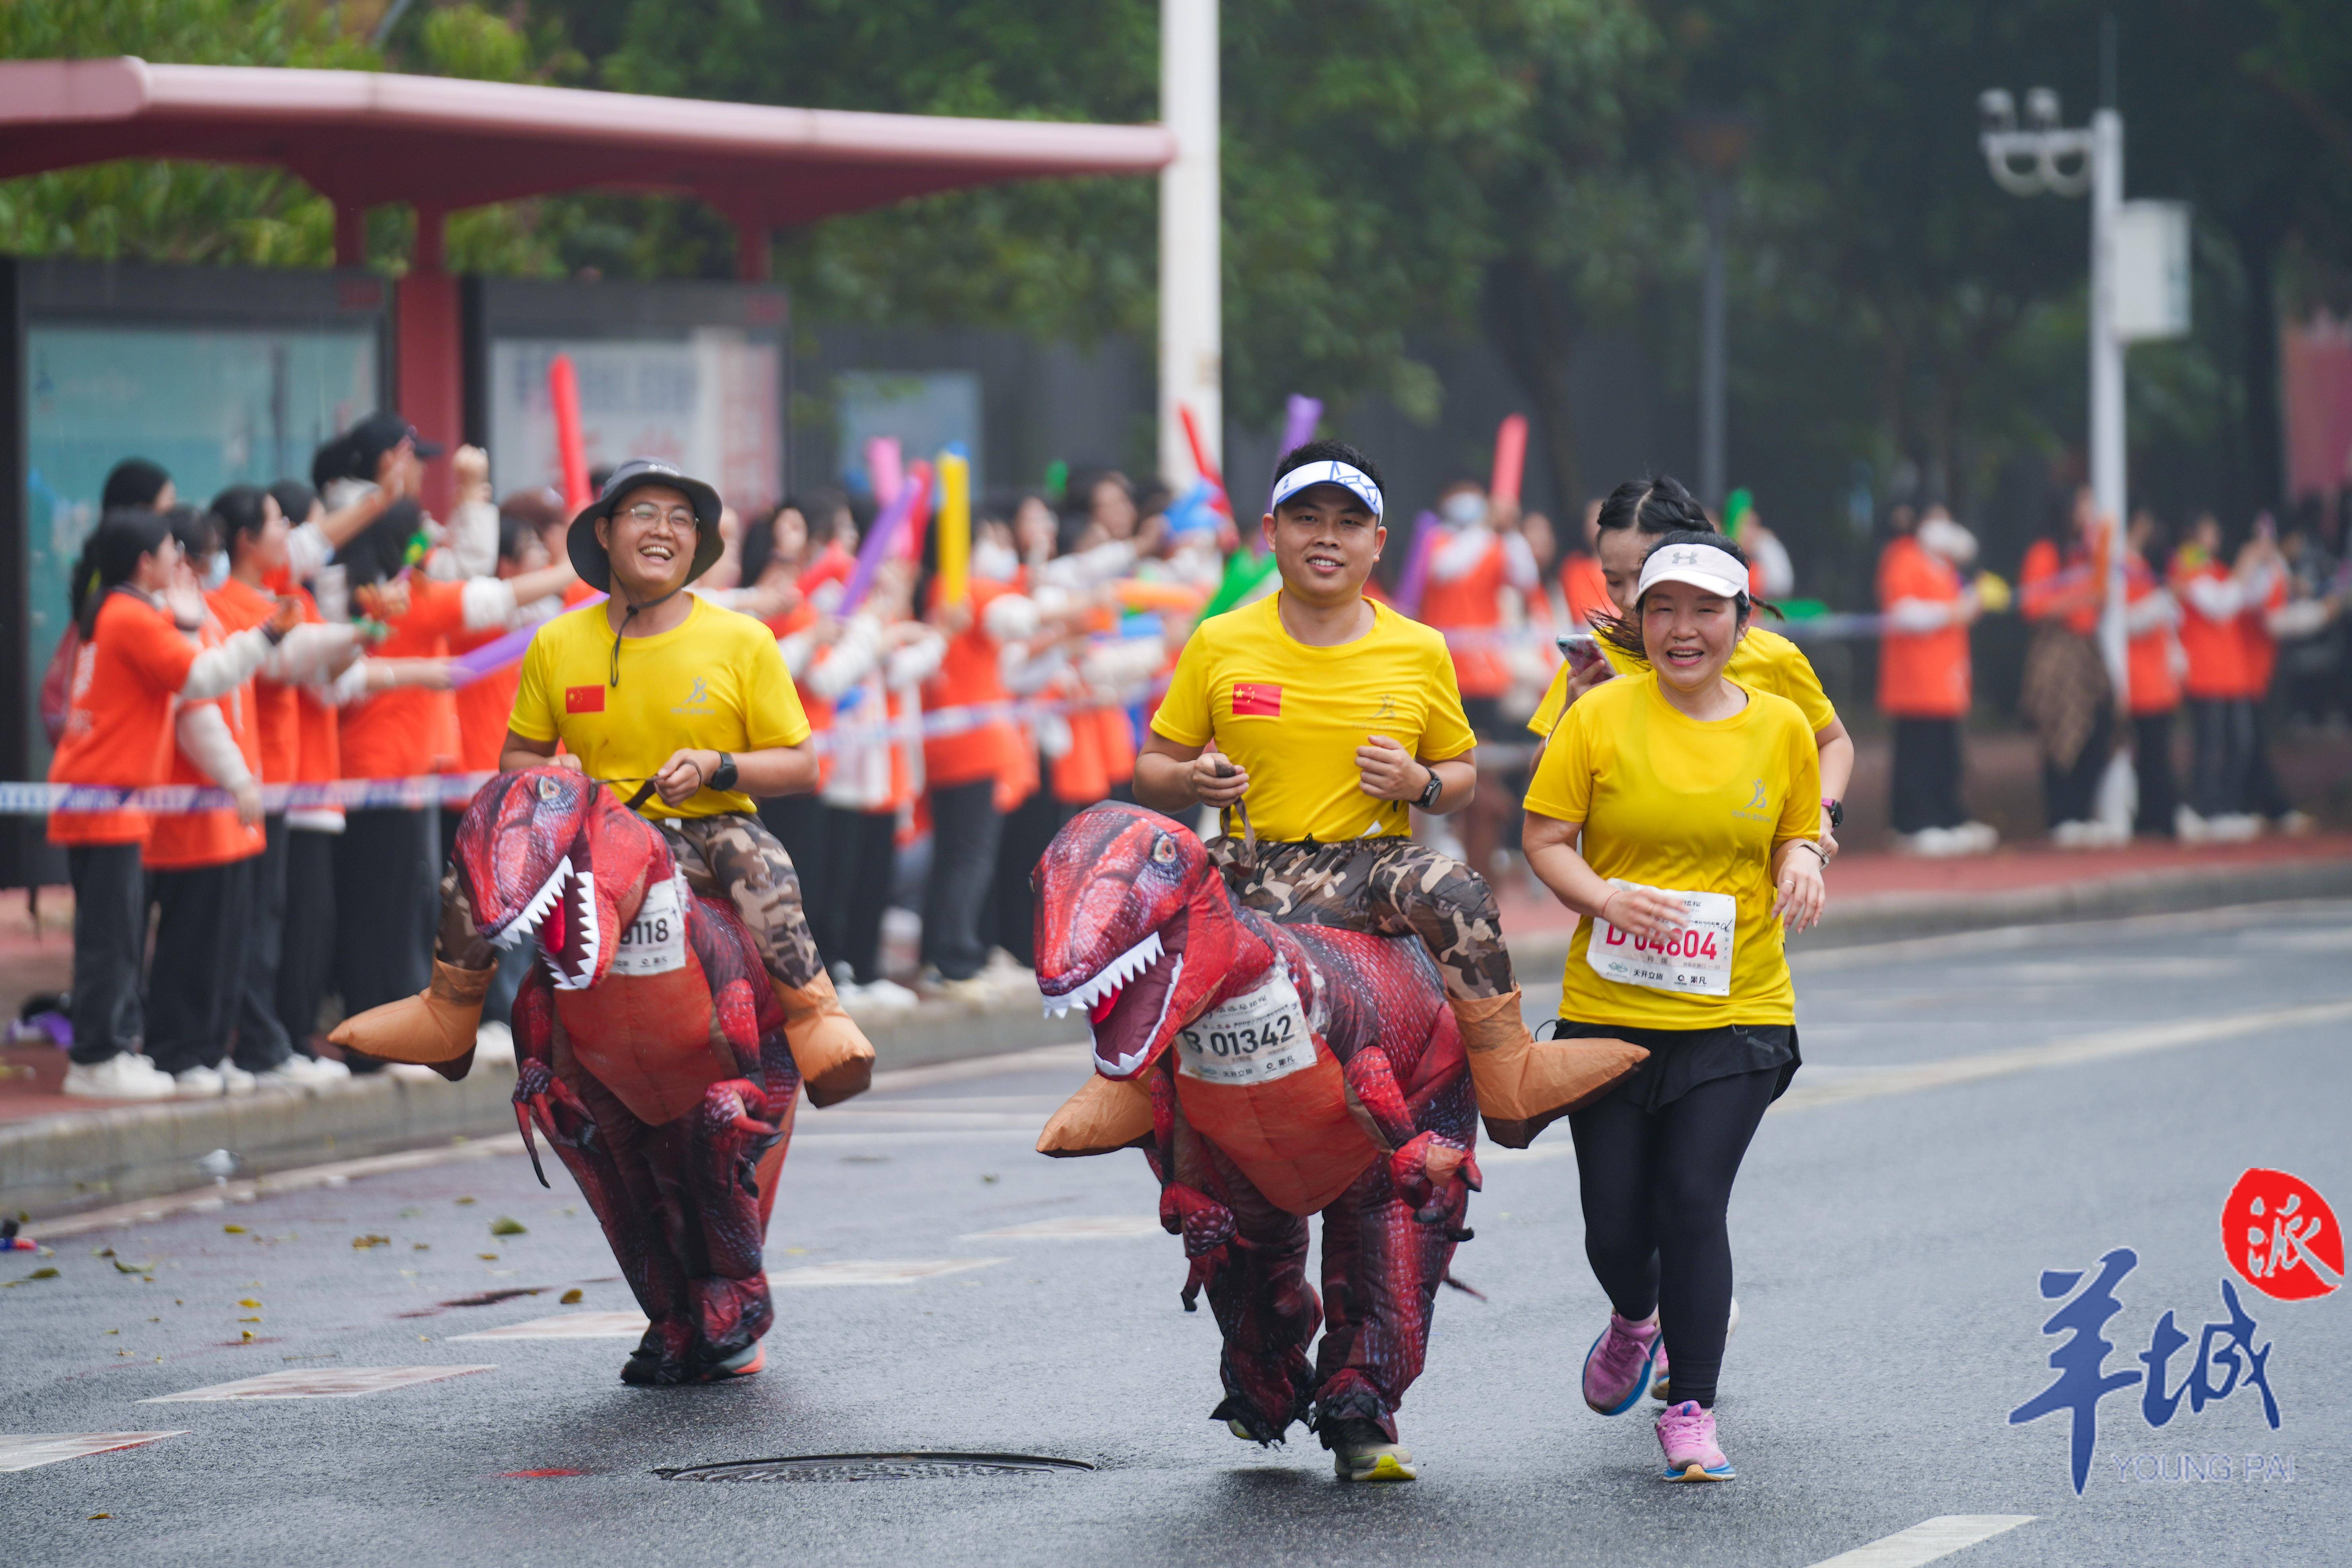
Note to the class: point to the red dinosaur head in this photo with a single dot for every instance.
(1133, 925)
(551, 853)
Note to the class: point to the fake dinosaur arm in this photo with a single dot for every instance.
(1373, 1083)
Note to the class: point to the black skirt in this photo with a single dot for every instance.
(1682, 1059)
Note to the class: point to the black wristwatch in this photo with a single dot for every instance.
(1836, 808)
(1431, 791)
(724, 777)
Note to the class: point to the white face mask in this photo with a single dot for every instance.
(1466, 508)
(994, 561)
(216, 572)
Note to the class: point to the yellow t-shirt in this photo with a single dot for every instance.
(1670, 803)
(1292, 716)
(1764, 661)
(717, 682)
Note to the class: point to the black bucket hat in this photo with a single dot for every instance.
(588, 558)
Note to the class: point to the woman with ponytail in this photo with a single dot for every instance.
(133, 662)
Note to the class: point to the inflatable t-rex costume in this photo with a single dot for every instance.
(650, 1051)
(1269, 1073)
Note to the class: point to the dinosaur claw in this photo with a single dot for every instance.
(530, 1143)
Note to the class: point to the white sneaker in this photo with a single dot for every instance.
(2236, 828)
(200, 1081)
(2296, 824)
(494, 1042)
(889, 996)
(125, 1076)
(1978, 837)
(411, 1072)
(2072, 836)
(2189, 827)
(299, 1071)
(235, 1079)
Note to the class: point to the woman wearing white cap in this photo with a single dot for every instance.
(1678, 812)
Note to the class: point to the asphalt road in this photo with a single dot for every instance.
(1973, 1110)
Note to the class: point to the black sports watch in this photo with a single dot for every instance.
(724, 778)
(1431, 790)
(1836, 808)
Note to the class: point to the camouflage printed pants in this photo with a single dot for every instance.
(733, 858)
(1388, 887)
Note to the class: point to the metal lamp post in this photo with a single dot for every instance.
(2042, 157)
(1717, 141)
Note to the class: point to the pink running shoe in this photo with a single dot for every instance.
(1617, 1367)
(1686, 1433)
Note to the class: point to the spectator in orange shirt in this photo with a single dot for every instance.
(131, 663)
(200, 864)
(1923, 677)
(2221, 718)
(256, 532)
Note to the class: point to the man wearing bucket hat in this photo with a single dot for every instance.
(687, 711)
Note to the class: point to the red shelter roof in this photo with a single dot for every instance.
(363, 138)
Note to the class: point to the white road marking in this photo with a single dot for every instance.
(2106, 1046)
(2010, 938)
(28, 1451)
(1074, 1227)
(568, 1326)
(1559, 1147)
(325, 1383)
(1924, 1542)
(876, 1271)
(205, 1200)
(1075, 1058)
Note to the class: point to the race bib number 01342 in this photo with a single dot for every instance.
(1693, 961)
(1256, 1038)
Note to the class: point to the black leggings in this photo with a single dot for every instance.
(1655, 1185)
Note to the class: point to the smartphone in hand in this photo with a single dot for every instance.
(1581, 650)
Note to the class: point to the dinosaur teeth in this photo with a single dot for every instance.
(1111, 980)
(523, 924)
(1121, 1066)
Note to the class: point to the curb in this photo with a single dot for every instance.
(57, 1166)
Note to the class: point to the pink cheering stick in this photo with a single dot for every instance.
(1202, 464)
(1416, 567)
(571, 448)
(1510, 459)
(920, 481)
(883, 469)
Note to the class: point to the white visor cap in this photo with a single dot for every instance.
(1347, 476)
(1701, 565)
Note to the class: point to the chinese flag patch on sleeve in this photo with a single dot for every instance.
(584, 700)
(1253, 699)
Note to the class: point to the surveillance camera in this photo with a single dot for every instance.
(2042, 108)
(1996, 110)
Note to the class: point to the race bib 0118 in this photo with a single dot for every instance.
(1693, 961)
(655, 943)
(1256, 1038)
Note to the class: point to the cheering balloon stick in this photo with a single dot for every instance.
(1510, 459)
(955, 527)
(570, 447)
(883, 469)
(1203, 463)
(919, 511)
(876, 548)
(1415, 578)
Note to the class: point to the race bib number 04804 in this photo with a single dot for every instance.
(1256, 1038)
(1694, 961)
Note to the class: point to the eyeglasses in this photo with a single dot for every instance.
(645, 514)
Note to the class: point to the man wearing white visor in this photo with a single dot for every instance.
(1316, 719)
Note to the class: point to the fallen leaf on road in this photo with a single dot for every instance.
(233, 1229)
(101, 1252)
(361, 1243)
(42, 1274)
(462, 1202)
(484, 1256)
(421, 1246)
(248, 1320)
(573, 1297)
(248, 1302)
(96, 1516)
(122, 1267)
(502, 1226)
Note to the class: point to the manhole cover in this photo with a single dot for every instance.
(875, 1468)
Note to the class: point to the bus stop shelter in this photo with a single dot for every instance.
(364, 139)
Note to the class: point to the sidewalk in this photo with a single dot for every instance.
(60, 1154)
